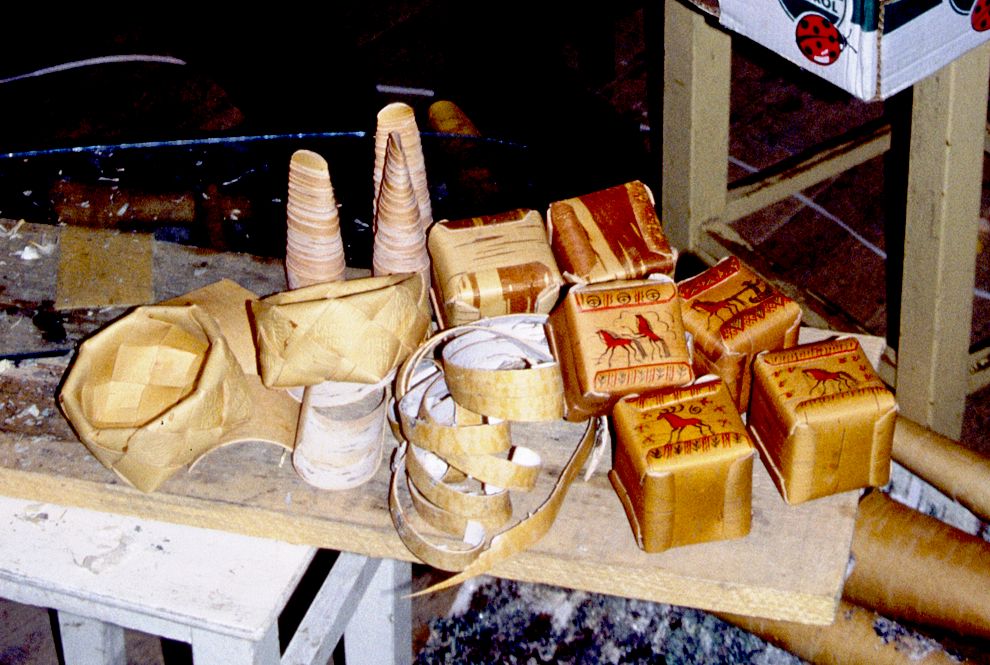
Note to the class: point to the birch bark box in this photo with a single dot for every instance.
(822, 419)
(609, 235)
(683, 466)
(618, 338)
(733, 315)
(492, 265)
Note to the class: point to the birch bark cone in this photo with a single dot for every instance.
(399, 117)
(314, 251)
(400, 239)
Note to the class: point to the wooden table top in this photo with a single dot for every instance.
(791, 566)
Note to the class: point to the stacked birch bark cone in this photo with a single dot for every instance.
(315, 255)
(314, 252)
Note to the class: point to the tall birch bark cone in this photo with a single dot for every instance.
(314, 251)
(401, 118)
(400, 239)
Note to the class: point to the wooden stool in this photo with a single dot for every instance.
(944, 185)
(220, 592)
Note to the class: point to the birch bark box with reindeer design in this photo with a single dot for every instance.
(618, 338)
(492, 265)
(683, 465)
(822, 419)
(733, 315)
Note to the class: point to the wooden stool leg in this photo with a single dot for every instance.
(380, 632)
(214, 649)
(87, 641)
(948, 124)
(696, 85)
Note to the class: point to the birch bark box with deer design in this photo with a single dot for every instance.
(683, 465)
(492, 265)
(618, 338)
(733, 315)
(822, 419)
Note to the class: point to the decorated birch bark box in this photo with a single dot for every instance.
(617, 338)
(492, 265)
(683, 465)
(608, 235)
(871, 48)
(822, 419)
(733, 314)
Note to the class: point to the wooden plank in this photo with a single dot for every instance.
(946, 167)
(697, 70)
(103, 269)
(26, 285)
(86, 641)
(790, 176)
(791, 566)
(145, 575)
(331, 611)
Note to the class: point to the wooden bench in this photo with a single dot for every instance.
(221, 592)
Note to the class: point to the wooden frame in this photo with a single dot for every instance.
(947, 140)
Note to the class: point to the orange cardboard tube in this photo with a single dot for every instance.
(858, 635)
(448, 118)
(962, 474)
(912, 567)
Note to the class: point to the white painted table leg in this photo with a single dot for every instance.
(210, 648)
(87, 641)
(946, 168)
(380, 632)
(697, 61)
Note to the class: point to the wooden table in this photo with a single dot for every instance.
(790, 567)
(933, 365)
(218, 591)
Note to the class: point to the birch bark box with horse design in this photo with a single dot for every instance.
(733, 315)
(618, 338)
(683, 465)
(822, 419)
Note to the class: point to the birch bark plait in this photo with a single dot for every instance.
(454, 466)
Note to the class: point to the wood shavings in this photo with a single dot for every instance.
(12, 232)
(5, 365)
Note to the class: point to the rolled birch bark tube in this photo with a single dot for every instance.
(912, 567)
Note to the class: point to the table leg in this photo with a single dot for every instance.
(948, 124)
(88, 641)
(210, 648)
(696, 85)
(380, 631)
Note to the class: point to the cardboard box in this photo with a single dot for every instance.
(734, 314)
(618, 338)
(609, 235)
(683, 466)
(870, 48)
(492, 265)
(822, 419)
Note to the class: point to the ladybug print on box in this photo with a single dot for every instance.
(980, 17)
(819, 40)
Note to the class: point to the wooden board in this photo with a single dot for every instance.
(100, 268)
(790, 567)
